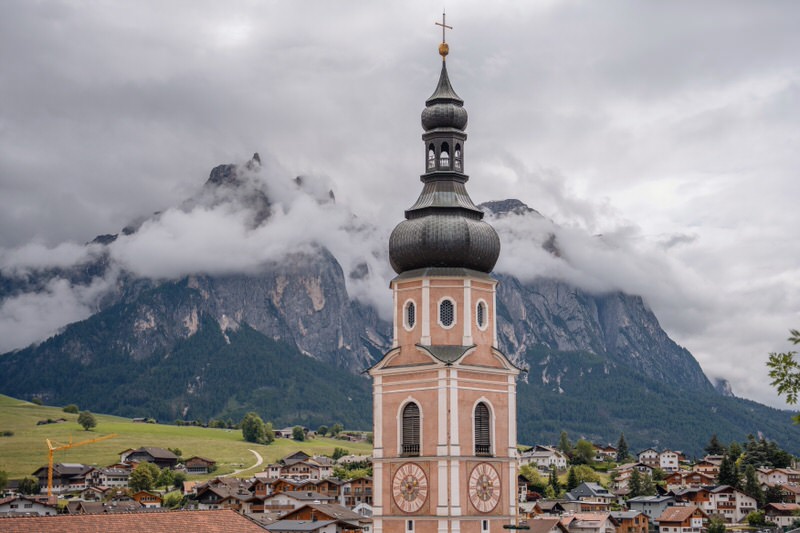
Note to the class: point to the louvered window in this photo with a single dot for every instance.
(482, 437)
(447, 313)
(411, 315)
(411, 430)
(480, 315)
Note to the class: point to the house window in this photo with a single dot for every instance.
(482, 433)
(447, 313)
(431, 157)
(410, 526)
(480, 315)
(484, 526)
(410, 444)
(410, 315)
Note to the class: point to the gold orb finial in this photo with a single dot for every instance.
(443, 48)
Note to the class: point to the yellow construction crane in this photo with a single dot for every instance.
(56, 447)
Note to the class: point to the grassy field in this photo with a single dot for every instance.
(25, 451)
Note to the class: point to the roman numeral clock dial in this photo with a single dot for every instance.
(484, 487)
(410, 487)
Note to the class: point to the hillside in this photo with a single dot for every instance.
(289, 336)
(25, 451)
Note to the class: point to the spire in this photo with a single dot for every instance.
(444, 228)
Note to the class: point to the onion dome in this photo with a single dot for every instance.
(444, 228)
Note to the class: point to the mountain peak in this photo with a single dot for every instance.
(510, 206)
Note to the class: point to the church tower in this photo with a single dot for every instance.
(444, 396)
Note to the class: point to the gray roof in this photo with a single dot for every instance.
(650, 499)
(298, 525)
(446, 354)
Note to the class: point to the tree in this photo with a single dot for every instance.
(785, 372)
(165, 478)
(28, 485)
(177, 479)
(553, 481)
(535, 480)
(71, 408)
(3, 480)
(87, 420)
(269, 433)
(322, 431)
(734, 450)
(298, 433)
(773, 494)
(338, 453)
(622, 448)
(572, 478)
(716, 525)
(635, 484)
(648, 486)
(751, 485)
(143, 477)
(336, 429)
(756, 518)
(172, 500)
(728, 472)
(585, 474)
(36, 400)
(714, 446)
(564, 444)
(253, 428)
(584, 453)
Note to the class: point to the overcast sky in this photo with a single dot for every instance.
(671, 128)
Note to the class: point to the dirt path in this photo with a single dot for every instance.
(259, 461)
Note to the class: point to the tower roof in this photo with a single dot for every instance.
(444, 228)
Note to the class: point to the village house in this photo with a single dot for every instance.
(777, 476)
(158, 456)
(546, 525)
(108, 477)
(683, 479)
(709, 468)
(682, 519)
(199, 465)
(225, 493)
(593, 497)
(651, 506)
(67, 477)
(733, 504)
(355, 491)
(790, 493)
(148, 499)
(605, 452)
(25, 506)
(293, 499)
(327, 511)
(544, 457)
(590, 523)
(630, 521)
(783, 514)
(649, 457)
(669, 461)
(299, 465)
(621, 476)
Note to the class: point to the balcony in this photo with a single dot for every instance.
(483, 450)
(410, 450)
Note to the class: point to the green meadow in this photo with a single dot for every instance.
(26, 450)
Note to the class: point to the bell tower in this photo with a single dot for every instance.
(444, 396)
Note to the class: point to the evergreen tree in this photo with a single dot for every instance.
(734, 450)
(572, 479)
(728, 472)
(553, 482)
(773, 494)
(751, 485)
(635, 484)
(28, 485)
(564, 444)
(648, 486)
(622, 448)
(714, 446)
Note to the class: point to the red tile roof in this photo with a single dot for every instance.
(677, 513)
(222, 521)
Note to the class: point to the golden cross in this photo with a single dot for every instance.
(443, 25)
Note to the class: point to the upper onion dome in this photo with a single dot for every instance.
(444, 109)
(444, 228)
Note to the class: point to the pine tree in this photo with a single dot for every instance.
(714, 446)
(728, 472)
(622, 448)
(554, 483)
(564, 444)
(751, 485)
(648, 486)
(635, 484)
(572, 479)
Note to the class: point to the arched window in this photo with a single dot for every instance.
(431, 157)
(483, 443)
(480, 315)
(457, 157)
(410, 442)
(447, 313)
(444, 157)
(410, 315)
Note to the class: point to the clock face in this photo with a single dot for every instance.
(484, 487)
(410, 487)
